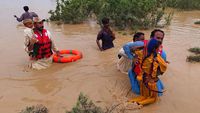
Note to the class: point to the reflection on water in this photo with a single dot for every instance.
(95, 74)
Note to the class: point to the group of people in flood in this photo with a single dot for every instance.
(143, 60)
(149, 61)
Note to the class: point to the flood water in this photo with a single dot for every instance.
(96, 74)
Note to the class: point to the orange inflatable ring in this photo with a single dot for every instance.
(60, 59)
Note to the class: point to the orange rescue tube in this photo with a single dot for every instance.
(60, 59)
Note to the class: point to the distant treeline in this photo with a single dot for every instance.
(133, 14)
(184, 4)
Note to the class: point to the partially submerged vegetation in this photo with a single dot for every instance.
(197, 22)
(196, 56)
(132, 14)
(35, 109)
(84, 105)
(184, 4)
(195, 50)
(193, 58)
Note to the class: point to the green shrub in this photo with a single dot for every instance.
(193, 58)
(35, 109)
(197, 22)
(195, 50)
(184, 4)
(73, 11)
(196, 57)
(132, 13)
(84, 105)
(123, 13)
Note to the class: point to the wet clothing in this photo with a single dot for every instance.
(135, 83)
(121, 53)
(27, 15)
(144, 75)
(125, 61)
(150, 86)
(38, 63)
(28, 33)
(107, 39)
(132, 74)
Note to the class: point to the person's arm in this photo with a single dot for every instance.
(99, 36)
(128, 48)
(136, 48)
(19, 19)
(112, 34)
(28, 41)
(98, 44)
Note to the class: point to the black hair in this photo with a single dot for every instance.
(156, 30)
(26, 8)
(105, 20)
(137, 35)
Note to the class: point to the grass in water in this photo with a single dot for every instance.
(193, 58)
(84, 105)
(35, 109)
(195, 50)
(197, 22)
(196, 56)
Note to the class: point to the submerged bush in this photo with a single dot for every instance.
(123, 13)
(196, 57)
(197, 22)
(193, 58)
(73, 11)
(184, 4)
(133, 13)
(195, 50)
(35, 109)
(84, 105)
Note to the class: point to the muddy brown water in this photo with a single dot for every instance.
(95, 75)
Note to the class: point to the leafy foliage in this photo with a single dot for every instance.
(123, 13)
(72, 11)
(197, 22)
(184, 4)
(35, 109)
(84, 105)
(193, 58)
(196, 57)
(195, 50)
